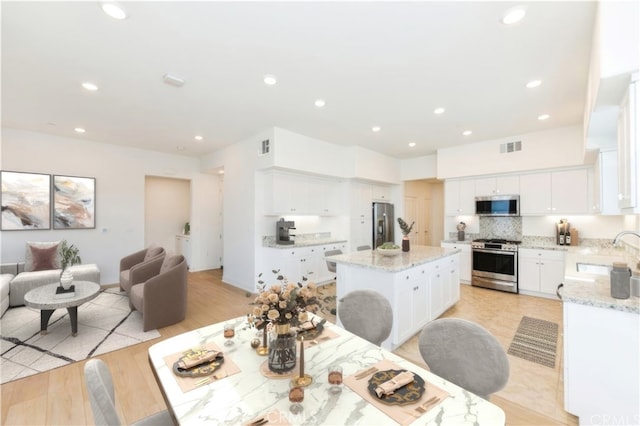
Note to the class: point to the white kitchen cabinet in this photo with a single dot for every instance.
(411, 293)
(361, 233)
(297, 194)
(323, 197)
(444, 284)
(459, 197)
(360, 200)
(605, 184)
(451, 292)
(628, 151)
(464, 259)
(601, 369)
(381, 193)
(498, 185)
(557, 192)
(299, 262)
(540, 271)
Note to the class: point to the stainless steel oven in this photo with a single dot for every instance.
(495, 264)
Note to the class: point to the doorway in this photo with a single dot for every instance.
(423, 204)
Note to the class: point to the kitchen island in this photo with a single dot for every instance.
(420, 284)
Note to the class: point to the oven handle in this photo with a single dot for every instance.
(505, 252)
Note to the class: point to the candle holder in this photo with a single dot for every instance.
(302, 379)
(263, 349)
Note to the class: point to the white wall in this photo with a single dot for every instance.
(167, 209)
(563, 147)
(242, 240)
(598, 227)
(120, 179)
(419, 168)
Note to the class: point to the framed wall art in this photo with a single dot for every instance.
(74, 202)
(25, 201)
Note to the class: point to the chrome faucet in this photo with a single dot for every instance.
(615, 240)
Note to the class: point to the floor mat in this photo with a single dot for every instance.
(535, 340)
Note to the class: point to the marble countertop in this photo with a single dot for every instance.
(592, 289)
(240, 397)
(418, 255)
(304, 243)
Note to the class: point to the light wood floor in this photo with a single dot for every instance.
(59, 397)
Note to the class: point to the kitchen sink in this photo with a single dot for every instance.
(593, 268)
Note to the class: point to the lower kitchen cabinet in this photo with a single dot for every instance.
(299, 262)
(601, 368)
(540, 271)
(411, 293)
(465, 259)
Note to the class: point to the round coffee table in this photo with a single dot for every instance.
(45, 299)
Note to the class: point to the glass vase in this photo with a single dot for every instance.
(282, 349)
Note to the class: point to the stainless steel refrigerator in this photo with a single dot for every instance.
(383, 223)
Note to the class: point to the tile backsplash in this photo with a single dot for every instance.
(509, 228)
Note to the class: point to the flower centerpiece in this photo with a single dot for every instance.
(406, 230)
(283, 304)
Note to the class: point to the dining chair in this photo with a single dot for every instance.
(102, 397)
(331, 266)
(366, 313)
(466, 354)
(364, 248)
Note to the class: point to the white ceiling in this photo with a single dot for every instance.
(375, 63)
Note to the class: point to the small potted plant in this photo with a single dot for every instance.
(68, 257)
(406, 230)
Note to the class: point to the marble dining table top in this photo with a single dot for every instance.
(239, 398)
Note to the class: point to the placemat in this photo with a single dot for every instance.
(264, 369)
(323, 337)
(403, 414)
(228, 368)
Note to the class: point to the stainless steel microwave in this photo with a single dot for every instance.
(498, 205)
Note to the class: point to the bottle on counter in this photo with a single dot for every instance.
(620, 278)
(567, 238)
(561, 240)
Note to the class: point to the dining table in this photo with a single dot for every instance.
(243, 391)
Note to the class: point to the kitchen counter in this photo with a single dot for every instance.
(303, 243)
(418, 255)
(591, 289)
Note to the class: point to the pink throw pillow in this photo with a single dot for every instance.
(44, 258)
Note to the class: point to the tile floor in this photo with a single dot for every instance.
(531, 385)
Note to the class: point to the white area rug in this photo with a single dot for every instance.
(105, 324)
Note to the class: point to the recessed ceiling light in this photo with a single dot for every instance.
(375, 129)
(412, 144)
(467, 132)
(438, 110)
(543, 117)
(270, 79)
(533, 83)
(320, 103)
(221, 172)
(114, 10)
(173, 80)
(79, 130)
(89, 86)
(514, 15)
(198, 137)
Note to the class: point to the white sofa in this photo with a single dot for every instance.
(15, 286)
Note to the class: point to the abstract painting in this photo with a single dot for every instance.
(25, 201)
(74, 202)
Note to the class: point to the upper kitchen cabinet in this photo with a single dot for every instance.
(557, 192)
(459, 197)
(628, 151)
(605, 184)
(360, 195)
(500, 185)
(297, 194)
(614, 58)
(381, 193)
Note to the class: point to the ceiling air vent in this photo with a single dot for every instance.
(510, 147)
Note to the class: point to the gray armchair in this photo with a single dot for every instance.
(162, 299)
(140, 266)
